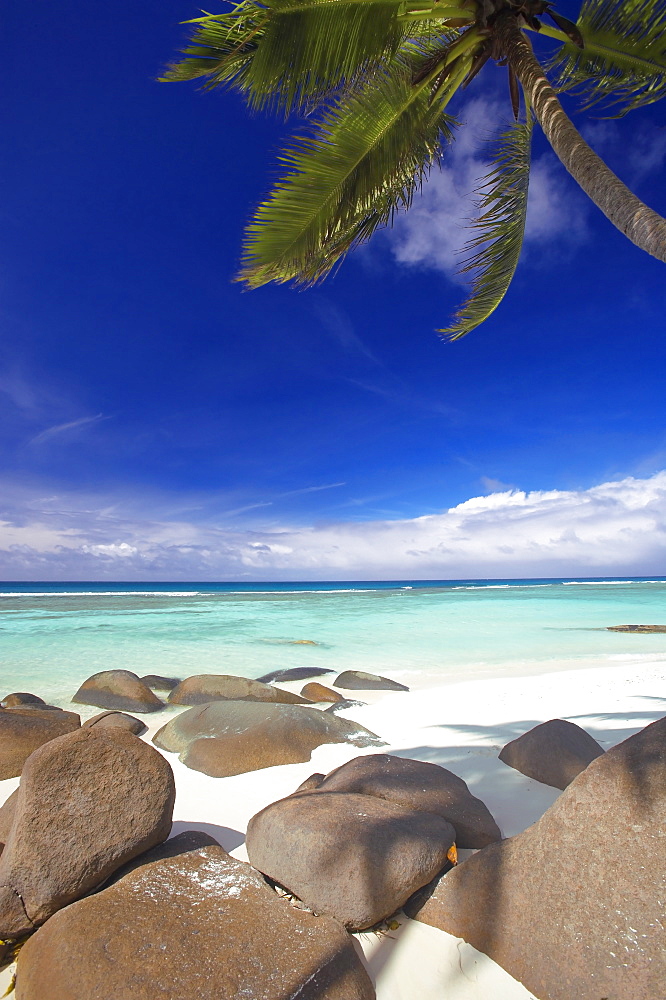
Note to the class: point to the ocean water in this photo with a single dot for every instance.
(53, 636)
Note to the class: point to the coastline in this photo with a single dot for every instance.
(461, 725)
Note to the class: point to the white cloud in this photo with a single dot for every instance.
(71, 425)
(434, 231)
(616, 527)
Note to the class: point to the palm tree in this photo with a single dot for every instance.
(375, 79)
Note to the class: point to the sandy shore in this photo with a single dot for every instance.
(461, 726)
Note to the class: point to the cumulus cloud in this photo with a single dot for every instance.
(614, 528)
(435, 230)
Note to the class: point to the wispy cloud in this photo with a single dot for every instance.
(434, 231)
(617, 527)
(71, 425)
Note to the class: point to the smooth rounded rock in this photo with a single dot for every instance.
(359, 680)
(204, 688)
(554, 752)
(355, 857)
(117, 720)
(198, 925)
(573, 907)
(88, 802)
(319, 692)
(24, 729)
(418, 785)
(294, 674)
(7, 810)
(231, 737)
(119, 690)
(21, 698)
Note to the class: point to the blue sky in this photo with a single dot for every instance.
(158, 422)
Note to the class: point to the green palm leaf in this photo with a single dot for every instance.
(499, 230)
(222, 48)
(283, 53)
(623, 63)
(362, 163)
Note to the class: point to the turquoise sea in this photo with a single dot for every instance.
(52, 636)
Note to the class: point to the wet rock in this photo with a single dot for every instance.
(294, 674)
(319, 692)
(204, 688)
(88, 802)
(421, 786)
(554, 752)
(21, 698)
(24, 729)
(117, 689)
(573, 906)
(201, 925)
(231, 737)
(359, 680)
(117, 720)
(159, 683)
(355, 857)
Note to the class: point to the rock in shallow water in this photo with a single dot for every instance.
(231, 737)
(88, 802)
(199, 925)
(117, 689)
(355, 857)
(574, 905)
(554, 752)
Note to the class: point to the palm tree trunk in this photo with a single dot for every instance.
(627, 212)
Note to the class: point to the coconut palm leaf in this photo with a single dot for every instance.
(499, 230)
(623, 64)
(307, 47)
(362, 162)
(222, 48)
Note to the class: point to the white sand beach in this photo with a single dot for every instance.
(461, 726)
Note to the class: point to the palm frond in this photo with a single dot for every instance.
(283, 53)
(623, 63)
(499, 229)
(362, 163)
(222, 48)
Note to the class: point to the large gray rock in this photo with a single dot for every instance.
(117, 720)
(359, 680)
(554, 752)
(294, 674)
(355, 857)
(117, 689)
(88, 802)
(232, 737)
(418, 785)
(574, 905)
(203, 688)
(24, 729)
(199, 925)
